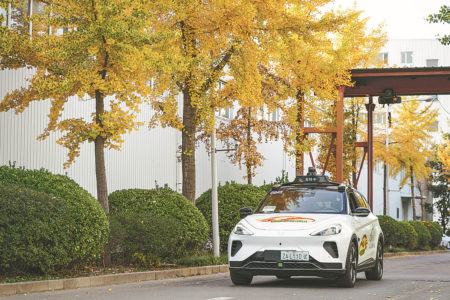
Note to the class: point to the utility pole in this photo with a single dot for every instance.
(214, 198)
(8, 16)
(386, 167)
(30, 13)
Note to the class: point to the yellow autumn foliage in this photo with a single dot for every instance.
(100, 51)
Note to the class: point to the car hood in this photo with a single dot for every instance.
(286, 221)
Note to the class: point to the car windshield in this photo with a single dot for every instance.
(303, 200)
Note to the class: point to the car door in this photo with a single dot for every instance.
(363, 227)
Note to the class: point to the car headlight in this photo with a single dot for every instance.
(242, 230)
(330, 230)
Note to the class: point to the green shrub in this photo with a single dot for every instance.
(88, 228)
(435, 232)
(145, 239)
(202, 260)
(424, 236)
(391, 230)
(231, 198)
(164, 202)
(34, 231)
(409, 238)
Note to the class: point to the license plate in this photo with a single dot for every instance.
(295, 255)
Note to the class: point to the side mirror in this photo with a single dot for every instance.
(245, 211)
(361, 212)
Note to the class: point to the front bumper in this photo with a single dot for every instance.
(259, 254)
(260, 263)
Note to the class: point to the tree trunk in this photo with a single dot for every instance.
(188, 146)
(412, 193)
(249, 142)
(299, 134)
(100, 170)
(422, 202)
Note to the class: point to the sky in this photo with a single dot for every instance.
(403, 19)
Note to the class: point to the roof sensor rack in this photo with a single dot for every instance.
(311, 177)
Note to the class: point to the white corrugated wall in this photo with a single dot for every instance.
(147, 156)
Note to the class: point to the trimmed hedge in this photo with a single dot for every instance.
(423, 234)
(34, 231)
(391, 230)
(87, 226)
(145, 239)
(409, 238)
(231, 197)
(435, 232)
(164, 202)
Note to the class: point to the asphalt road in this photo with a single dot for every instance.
(415, 277)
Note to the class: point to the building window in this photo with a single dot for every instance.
(226, 113)
(407, 57)
(434, 127)
(384, 57)
(432, 62)
(398, 213)
(273, 115)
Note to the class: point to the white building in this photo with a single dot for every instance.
(412, 53)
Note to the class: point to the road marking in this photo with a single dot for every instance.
(221, 298)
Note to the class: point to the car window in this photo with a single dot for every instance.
(303, 200)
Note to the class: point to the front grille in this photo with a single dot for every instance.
(331, 248)
(235, 246)
(283, 265)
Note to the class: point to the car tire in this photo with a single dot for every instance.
(285, 277)
(349, 278)
(240, 279)
(377, 272)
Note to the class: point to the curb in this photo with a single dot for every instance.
(402, 254)
(8, 289)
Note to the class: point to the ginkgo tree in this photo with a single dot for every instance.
(107, 53)
(317, 64)
(409, 148)
(229, 39)
(223, 39)
(440, 181)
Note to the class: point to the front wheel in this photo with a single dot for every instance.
(349, 278)
(240, 279)
(377, 272)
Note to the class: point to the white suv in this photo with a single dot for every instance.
(309, 227)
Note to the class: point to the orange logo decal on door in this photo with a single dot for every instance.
(363, 246)
(287, 219)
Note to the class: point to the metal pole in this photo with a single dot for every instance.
(30, 13)
(370, 107)
(8, 16)
(214, 200)
(386, 167)
(50, 15)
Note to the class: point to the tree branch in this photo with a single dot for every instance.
(215, 72)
